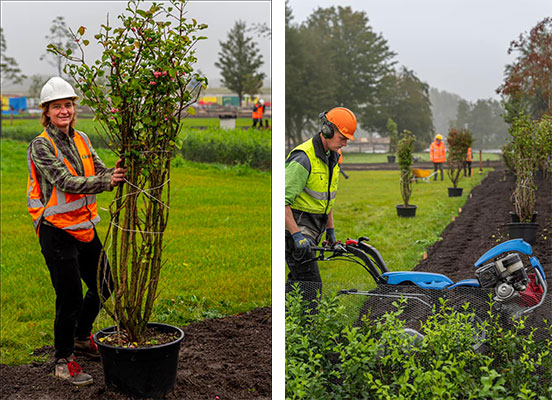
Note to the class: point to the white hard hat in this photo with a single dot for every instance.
(261, 101)
(56, 88)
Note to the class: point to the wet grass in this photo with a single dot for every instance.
(218, 250)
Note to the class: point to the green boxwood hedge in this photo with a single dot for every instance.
(213, 145)
(326, 358)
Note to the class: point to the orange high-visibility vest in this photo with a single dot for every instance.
(258, 112)
(438, 153)
(469, 156)
(75, 213)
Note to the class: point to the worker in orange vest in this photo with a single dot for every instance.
(438, 155)
(468, 162)
(257, 115)
(65, 173)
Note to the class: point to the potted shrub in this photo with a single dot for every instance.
(139, 90)
(405, 150)
(458, 142)
(393, 138)
(543, 146)
(525, 159)
(508, 157)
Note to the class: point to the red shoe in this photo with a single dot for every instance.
(68, 369)
(86, 347)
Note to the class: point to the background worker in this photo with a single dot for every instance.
(312, 175)
(257, 115)
(65, 173)
(438, 155)
(468, 162)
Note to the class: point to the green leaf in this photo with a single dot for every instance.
(85, 42)
(81, 30)
(191, 111)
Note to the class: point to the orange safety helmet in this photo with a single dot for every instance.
(344, 120)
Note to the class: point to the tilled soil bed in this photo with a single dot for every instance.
(227, 358)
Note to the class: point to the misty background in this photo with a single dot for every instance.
(454, 51)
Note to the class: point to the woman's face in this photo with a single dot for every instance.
(61, 113)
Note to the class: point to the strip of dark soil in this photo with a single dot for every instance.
(482, 224)
(227, 358)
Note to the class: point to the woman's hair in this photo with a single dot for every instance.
(45, 120)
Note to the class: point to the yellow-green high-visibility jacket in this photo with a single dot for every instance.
(319, 192)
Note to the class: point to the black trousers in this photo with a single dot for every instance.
(69, 261)
(437, 166)
(467, 166)
(305, 275)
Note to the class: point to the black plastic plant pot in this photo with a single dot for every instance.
(406, 211)
(455, 192)
(523, 230)
(390, 159)
(141, 372)
(515, 218)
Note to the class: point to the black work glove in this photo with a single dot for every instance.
(302, 245)
(330, 235)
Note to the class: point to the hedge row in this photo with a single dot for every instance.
(232, 146)
(328, 359)
(213, 145)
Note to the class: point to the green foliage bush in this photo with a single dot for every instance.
(214, 145)
(458, 142)
(405, 152)
(328, 359)
(232, 146)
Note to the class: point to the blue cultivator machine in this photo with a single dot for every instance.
(517, 289)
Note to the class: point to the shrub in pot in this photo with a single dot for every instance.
(405, 150)
(458, 142)
(393, 138)
(543, 146)
(139, 90)
(525, 160)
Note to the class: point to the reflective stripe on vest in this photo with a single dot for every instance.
(258, 112)
(319, 194)
(77, 214)
(438, 153)
(469, 156)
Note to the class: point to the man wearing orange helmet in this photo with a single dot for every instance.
(438, 155)
(312, 175)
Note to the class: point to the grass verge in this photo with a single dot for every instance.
(211, 269)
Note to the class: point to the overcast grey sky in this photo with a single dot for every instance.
(455, 45)
(26, 23)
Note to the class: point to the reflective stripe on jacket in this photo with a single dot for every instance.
(75, 213)
(437, 152)
(469, 156)
(319, 193)
(258, 110)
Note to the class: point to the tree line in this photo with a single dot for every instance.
(334, 58)
(239, 58)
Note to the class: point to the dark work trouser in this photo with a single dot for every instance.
(437, 166)
(69, 261)
(467, 166)
(304, 274)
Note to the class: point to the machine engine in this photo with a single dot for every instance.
(507, 275)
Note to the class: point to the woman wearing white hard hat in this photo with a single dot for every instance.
(65, 173)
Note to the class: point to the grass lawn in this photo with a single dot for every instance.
(211, 269)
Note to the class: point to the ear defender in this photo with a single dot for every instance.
(327, 128)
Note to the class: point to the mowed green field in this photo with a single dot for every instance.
(365, 206)
(213, 267)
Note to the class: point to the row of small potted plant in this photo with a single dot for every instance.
(527, 154)
(458, 142)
